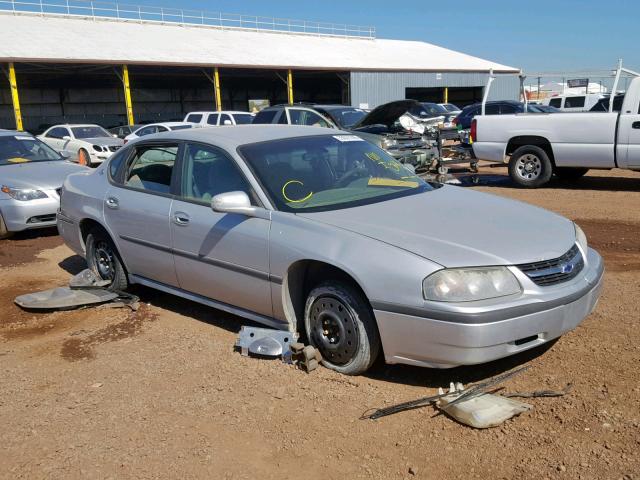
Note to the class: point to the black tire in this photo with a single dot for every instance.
(104, 260)
(339, 322)
(570, 173)
(530, 167)
(4, 233)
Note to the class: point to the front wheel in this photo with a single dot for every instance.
(4, 233)
(570, 173)
(339, 322)
(530, 166)
(103, 259)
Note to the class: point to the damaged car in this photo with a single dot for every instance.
(319, 232)
(383, 126)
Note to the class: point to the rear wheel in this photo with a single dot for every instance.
(103, 259)
(4, 233)
(339, 322)
(84, 158)
(530, 166)
(570, 173)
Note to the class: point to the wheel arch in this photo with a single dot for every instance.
(301, 277)
(534, 140)
(86, 225)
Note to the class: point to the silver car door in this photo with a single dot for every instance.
(137, 209)
(224, 257)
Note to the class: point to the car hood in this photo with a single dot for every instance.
(41, 175)
(104, 141)
(386, 114)
(455, 227)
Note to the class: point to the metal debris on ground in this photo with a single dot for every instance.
(306, 357)
(85, 290)
(266, 342)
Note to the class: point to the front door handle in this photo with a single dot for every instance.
(635, 125)
(181, 218)
(112, 203)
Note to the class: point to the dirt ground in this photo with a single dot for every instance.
(160, 393)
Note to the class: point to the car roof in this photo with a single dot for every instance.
(11, 133)
(233, 136)
(75, 125)
(235, 112)
(167, 124)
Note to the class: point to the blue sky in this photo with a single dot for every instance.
(535, 35)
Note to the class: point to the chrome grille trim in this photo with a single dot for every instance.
(558, 270)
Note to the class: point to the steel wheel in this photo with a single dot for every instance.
(529, 166)
(105, 260)
(334, 330)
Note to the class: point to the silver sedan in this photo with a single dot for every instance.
(31, 176)
(319, 231)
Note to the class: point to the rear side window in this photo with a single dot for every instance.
(555, 102)
(152, 168)
(491, 110)
(114, 164)
(57, 132)
(225, 119)
(265, 116)
(306, 117)
(194, 118)
(506, 108)
(213, 119)
(574, 102)
(147, 131)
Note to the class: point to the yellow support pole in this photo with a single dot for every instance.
(127, 94)
(216, 86)
(14, 96)
(446, 95)
(290, 86)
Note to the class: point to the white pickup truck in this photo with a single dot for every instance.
(536, 146)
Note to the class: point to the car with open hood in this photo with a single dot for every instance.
(31, 176)
(88, 145)
(318, 231)
(381, 126)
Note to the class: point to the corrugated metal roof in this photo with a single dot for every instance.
(50, 38)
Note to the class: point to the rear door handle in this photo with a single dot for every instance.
(112, 203)
(181, 218)
(635, 125)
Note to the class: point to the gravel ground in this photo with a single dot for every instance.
(160, 393)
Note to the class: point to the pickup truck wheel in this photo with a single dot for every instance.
(104, 260)
(570, 173)
(4, 233)
(530, 166)
(340, 324)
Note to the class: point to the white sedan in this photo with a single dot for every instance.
(86, 144)
(158, 128)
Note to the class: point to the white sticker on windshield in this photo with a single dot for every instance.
(22, 138)
(348, 138)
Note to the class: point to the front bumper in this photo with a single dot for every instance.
(427, 342)
(41, 213)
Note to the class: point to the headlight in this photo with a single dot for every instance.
(581, 238)
(469, 284)
(389, 143)
(23, 194)
(97, 148)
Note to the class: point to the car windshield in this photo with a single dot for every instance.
(328, 172)
(89, 132)
(450, 107)
(243, 118)
(347, 117)
(180, 127)
(24, 148)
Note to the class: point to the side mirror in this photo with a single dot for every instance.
(227, 122)
(237, 202)
(66, 138)
(65, 154)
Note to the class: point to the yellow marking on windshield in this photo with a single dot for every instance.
(18, 160)
(374, 157)
(284, 187)
(389, 182)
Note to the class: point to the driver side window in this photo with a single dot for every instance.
(208, 171)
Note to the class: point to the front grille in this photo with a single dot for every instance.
(558, 270)
(113, 148)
